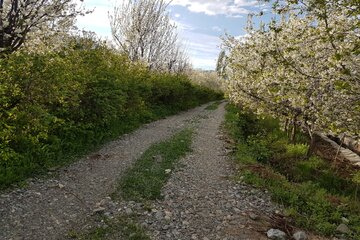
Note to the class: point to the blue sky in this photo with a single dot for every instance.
(200, 23)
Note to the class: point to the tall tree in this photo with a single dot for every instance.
(144, 31)
(221, 64)
(19, 18)
(302, 68)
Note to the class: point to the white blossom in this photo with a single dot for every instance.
(301, 68)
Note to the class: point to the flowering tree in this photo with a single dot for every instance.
(20, 18)
(303, 69)
(221, 64)
(209, 79)
(143, 30)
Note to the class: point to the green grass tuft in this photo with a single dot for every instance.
(117, 228)
(146, 178)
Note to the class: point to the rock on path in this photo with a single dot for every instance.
(201, 201)
(48, 209)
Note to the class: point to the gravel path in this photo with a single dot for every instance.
(201, 201)
(48, 209)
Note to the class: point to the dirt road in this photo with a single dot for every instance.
(201, 201)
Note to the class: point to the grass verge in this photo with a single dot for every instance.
(314, 194)
(145, 179)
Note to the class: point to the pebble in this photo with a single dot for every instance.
(159, 215)
(345, 220)
(276, 234)
(129, 211)
(253, 216)
(343, 228)
(300, 235)
(185, 223)
(99, 210)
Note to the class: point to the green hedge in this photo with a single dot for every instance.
(56, 106)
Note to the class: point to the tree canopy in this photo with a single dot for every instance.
(303, 68)
(19, 18)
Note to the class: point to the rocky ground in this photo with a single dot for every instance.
(201, 200)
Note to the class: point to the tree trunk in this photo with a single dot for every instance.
(293, 131)
(312, 145)
(287, 127)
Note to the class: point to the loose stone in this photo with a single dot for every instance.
(300, 235)
(342, 228)
(276, 234)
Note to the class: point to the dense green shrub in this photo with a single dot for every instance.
(55, 106)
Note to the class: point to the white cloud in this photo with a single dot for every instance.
(203, 49)
(98, 20)
(216, 28)
(177, 15)
(229, 8)
(101, 3)
(204, 63)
